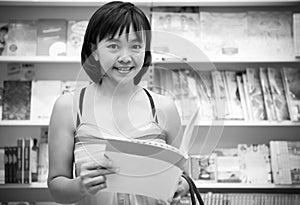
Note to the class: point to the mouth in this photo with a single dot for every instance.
(123, 70)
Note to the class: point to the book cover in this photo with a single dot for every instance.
(2, 165)
(206, 95)
(224, 34)
(22, 38)
(52, 37)
(255, 94)
(180, 27)
(43, 96)
(285, 158)
(3, 37)
(220, 95)
(241, 91)
(20, 160)
(75, 34)
(228, 166)
(137, 162)
(296, 34)
(255, 163)
(268, 101)
(246, 90)
(234, 99)
(43, 164)
(292, 81)
(1, 97)
(28, 143)
(16, 100)
(271, 32)
(278, 94)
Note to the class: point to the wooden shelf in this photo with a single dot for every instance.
(76, 59)
(228, 123)
(249, 188)
(40, 59)
(241, 123)
(152, 2)
(23, 123)
(25, 192)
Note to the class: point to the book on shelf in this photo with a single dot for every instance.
(278, 94)
(220, 95)
(43, 96)
(206, 95)
(2, 165)
(291, 78)
(267, 97)
(3, 37)
(75, 34)
(16, 100)
(1, 97)
(51, 37)
(242, 96)
(296, 34)
(255, 94)
(223, 34)
(271, 32)
(233, 97)
(22, 38)
(285, 162)
(180, 27)
(255, 165)
(20, 160)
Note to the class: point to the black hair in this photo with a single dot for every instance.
(109, 19)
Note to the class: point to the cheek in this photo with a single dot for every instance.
(139, 58)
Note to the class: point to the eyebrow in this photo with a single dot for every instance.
(117, 40)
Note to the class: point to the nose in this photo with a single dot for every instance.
(125, 57)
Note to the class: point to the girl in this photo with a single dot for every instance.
(115, 55)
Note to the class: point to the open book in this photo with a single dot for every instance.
(143, 167)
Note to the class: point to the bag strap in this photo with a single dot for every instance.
(193, 190)
(152, 105)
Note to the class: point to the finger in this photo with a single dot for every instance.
(99, 172)
(97, 165)
(94, 189)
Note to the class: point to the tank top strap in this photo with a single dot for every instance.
(152, 105)
(80, 106)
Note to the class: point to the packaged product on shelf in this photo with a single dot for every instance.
(255, 163)
(22, 38)
(20, 71)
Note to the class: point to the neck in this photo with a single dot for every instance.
(110, 89)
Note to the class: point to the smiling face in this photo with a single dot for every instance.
(122, 56)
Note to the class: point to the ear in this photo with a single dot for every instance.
(94, 52)
(95, 55)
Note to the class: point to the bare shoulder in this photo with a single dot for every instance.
(63, 110)
(163, 102)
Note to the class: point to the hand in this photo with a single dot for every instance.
(93, 176)
(181, 191)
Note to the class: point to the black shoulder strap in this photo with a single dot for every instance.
(82, 92)
(152, 105)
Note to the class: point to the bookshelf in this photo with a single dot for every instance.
(230, 132)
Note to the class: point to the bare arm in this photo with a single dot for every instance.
(62, 186)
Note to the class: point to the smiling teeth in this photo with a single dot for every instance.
(124, 69)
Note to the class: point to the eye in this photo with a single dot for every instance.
(137, 46)
(113, 46)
